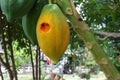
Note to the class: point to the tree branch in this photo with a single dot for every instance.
(102, 39)
(1, 60)
(108, 34)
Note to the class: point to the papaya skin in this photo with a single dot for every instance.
(52, 31)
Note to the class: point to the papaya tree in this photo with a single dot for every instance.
(68, 9)
(87, 36)
(102, 25)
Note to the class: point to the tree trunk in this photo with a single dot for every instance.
(4, 44)
(37, 63)
(39, 59)
(32, 63)
(87, 36)
(11, 50)
(38, 67)
(10, 74)
(6, 55)
(1, 74)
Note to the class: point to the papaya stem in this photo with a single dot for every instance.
(50, 1)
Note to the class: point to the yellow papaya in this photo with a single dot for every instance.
(52, 31)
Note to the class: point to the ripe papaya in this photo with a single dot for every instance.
(53, 32)
(15, 8)
(29, 21)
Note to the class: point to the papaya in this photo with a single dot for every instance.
(29, 21)
(15, 8)
(53, 32)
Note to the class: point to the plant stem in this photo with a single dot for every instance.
(50, 2)
(32, 62)
(36, 64)
(11, 50)
(6, 64)
(87, 36)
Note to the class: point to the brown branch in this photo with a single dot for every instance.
(4, 44)
(11, 50)
(32, 62)
(1, 60)
(115, 35)
(102, 39)
(107, 35)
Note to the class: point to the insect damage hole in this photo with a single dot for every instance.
(45, 27)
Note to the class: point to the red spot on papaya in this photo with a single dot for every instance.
(45, 27)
